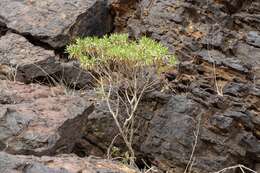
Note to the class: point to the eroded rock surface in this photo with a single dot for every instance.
(216, 88)
(226, 31)
(227, 121)
(22, 61)
(59, 164)
(56, 22)
(225, 114)
(40, 120)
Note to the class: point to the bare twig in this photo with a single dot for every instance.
(110, 146)
(191, 160)
(127, 91)
(241, 167)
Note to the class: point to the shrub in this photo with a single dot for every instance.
(117, 49)
(125, 70)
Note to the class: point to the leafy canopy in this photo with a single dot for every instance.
(118, 49)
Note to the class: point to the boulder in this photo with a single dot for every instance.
(73, 76)
(56, 22)
(58, 164)
(40, 120)
(24, 60)
(100, 131)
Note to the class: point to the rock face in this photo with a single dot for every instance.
(22, 61)
(39, 120)
(25, 60)
(229, 29)
(99, 132)
(216, 89)
(215, 94)
(169, 134)
(227, 125)
(59, 164)
(56, 22)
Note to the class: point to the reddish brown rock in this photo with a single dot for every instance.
(40, 120)
(59, 164)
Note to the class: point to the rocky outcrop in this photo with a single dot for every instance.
(217, 44)
(40, 120)
(36, 32)
(56, 22)
(227, 125)
(215, 93)
(26, 61)
(59, 164)
(216, 89)
(22, 61)
(225, 32)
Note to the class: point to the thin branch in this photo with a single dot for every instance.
(110, 146)
(241, 167)
(190, 163)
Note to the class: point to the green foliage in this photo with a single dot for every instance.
(118, 49)
(124, 70)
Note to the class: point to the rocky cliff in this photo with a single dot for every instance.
(211, 107)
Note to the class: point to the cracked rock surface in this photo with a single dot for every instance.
(225, 31)
(214, 91)
(40, 120)
(24, 60)
(56, 22)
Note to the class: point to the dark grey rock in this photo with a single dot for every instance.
(222, 122)
(241, 116)
(203, 33)
(221, 33)
(236, 89)
(100, 131)
(248, 16)
(220, 59)
(253, 38)
(169, 135)
(228, 29)
(249, 54)
(22, 61)
(56, 22)
(252, 145)
(25, 60)
(75, 77)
